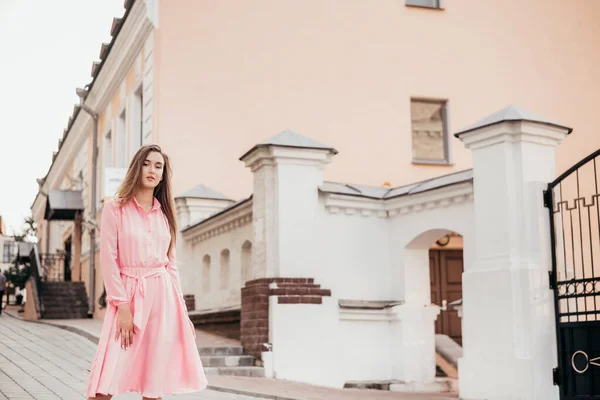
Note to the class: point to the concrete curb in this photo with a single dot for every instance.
(216, 388)
(81, 332)
(250, 393)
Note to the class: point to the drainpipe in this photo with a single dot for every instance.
(91, 301)
(82, 93)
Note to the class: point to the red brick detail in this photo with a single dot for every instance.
(300, 300)
(190, 302)
(254, 326)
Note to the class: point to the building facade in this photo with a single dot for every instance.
(386, 83)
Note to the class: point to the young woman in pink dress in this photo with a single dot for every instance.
(148, 342)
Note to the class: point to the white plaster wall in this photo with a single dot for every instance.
(192, 272)
(365, 353)
(298, 221)
(352, 256)
(306, 342)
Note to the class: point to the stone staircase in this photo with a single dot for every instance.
(64, 300)
(229, 361)
(447, 353)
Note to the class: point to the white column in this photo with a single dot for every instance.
(508, 324)
(285, 205)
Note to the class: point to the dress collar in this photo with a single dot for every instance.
(155, 204)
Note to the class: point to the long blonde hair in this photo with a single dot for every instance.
(162, 191)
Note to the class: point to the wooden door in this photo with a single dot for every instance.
(446, 268)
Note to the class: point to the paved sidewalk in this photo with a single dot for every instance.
(257, 387)
(42, 362)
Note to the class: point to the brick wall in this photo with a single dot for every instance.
(255, 306)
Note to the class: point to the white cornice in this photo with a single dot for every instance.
(129, 43)
(271, 155)
(229, 220)
(400, 312)
(514, 131)
(437, 198)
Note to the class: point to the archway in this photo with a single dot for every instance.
(432, 265)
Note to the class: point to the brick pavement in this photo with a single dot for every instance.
(42, 362)
(45, 338)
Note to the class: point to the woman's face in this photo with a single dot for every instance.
(152, 170)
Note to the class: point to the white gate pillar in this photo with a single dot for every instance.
(509, 342)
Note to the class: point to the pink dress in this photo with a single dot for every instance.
(164, 357)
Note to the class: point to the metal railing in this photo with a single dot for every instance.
(53, 266)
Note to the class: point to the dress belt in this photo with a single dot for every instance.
(139, 290)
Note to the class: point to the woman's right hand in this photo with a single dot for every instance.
(125, 326)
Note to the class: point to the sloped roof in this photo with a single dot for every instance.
(289, 138)
(381, 193)
(204, 192)
(510, 113)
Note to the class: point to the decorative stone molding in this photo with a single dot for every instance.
(220, 224)
(122, 56)
(368, 207)
(264, 156)
(395, 312)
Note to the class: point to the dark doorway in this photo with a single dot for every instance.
(67, 261)
(446, 269)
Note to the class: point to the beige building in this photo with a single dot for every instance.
(386, 82)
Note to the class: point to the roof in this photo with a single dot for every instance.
(63, 204)
(216, 214)
(289, 138)
(382, 193)
(105, 49)
(511, 113)
(24, 251)
(204, 192)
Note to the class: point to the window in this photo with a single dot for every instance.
(107, 151)
(425, 3)
(120, 142)
(137, 123)
(224, 281)
(107, 156)
(429, 131)
(247, 272)
(9, 251)
(206, 274)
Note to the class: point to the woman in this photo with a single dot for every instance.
(148, 342)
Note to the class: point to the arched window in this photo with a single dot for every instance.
(224, 269)
(247, 272)
(206, 274)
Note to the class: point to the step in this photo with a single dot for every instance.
(64, 316)
(227, 361)
(221, 351)
(254, 372)
(447, 354)
(62, 302)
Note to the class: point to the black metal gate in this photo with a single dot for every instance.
(572, 201)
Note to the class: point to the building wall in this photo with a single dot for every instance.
(204, 274)
(343, 73)
(5, 239)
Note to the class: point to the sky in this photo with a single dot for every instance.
(46, 51)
